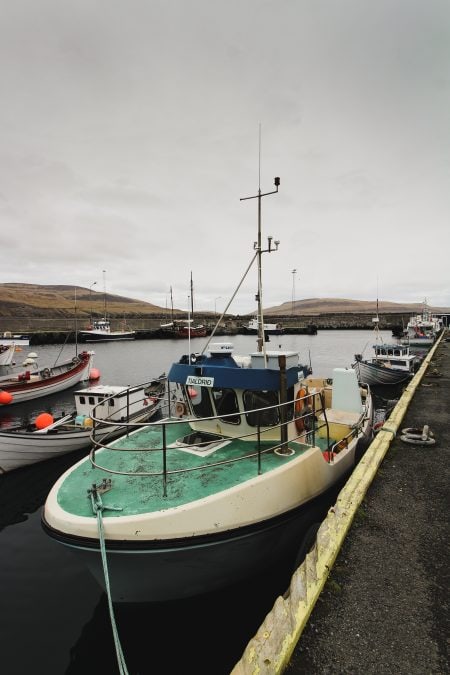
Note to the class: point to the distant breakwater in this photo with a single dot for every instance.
(64, 330)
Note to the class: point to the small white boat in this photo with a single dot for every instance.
(422, 329)
(121, 406)
(100, 331)
(34, 381)
(269, 328)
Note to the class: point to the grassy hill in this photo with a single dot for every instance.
(59, 301)
(313, 306)
(35, 300)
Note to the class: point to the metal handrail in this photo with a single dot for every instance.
(259, 430)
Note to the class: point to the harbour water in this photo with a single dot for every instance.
(54, 618)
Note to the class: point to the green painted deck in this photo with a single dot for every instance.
(196, 477)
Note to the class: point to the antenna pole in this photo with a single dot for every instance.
(76, 324)
(271, 246)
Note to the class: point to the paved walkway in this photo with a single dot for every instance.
(384, 607)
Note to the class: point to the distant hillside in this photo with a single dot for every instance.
(30, 300)
(35, 300)
(313, 306)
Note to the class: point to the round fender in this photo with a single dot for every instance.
(180, 409)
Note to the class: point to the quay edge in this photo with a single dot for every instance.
(380, 560)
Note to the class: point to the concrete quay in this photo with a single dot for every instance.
(372, 596)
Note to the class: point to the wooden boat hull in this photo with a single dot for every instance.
(59, 378)
(24, 448)
(374, 374)
(199, 332)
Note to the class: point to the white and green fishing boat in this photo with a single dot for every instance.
(220, 487)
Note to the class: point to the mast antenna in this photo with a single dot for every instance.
(271, 246)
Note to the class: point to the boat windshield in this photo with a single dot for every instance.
(268, 417)
(226, 403)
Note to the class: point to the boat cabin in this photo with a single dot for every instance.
(395, 356)
(103, 325)
(239, 392)
(111, 402)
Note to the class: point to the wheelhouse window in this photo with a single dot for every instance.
(226, 403)
(200, 401)
(261, 399)
(398, 363)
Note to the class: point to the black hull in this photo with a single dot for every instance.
(106, 338)
(156, 571)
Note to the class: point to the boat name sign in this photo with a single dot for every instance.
(200, 381)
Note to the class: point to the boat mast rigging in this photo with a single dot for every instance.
(259, 251)
(271, 246)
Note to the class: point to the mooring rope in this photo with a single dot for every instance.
(98, 507)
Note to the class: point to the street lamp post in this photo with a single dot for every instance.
(90, 300)
(215, 305)
(294, 272)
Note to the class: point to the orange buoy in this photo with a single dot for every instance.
(43, 420)
(5, 397)
(94, 374)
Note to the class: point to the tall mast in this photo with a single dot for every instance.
(192, 299)
(104, 291)
(376, 321)
(259, 251)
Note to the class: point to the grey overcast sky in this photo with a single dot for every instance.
(129, 132)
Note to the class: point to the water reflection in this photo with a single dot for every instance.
(206, 634)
